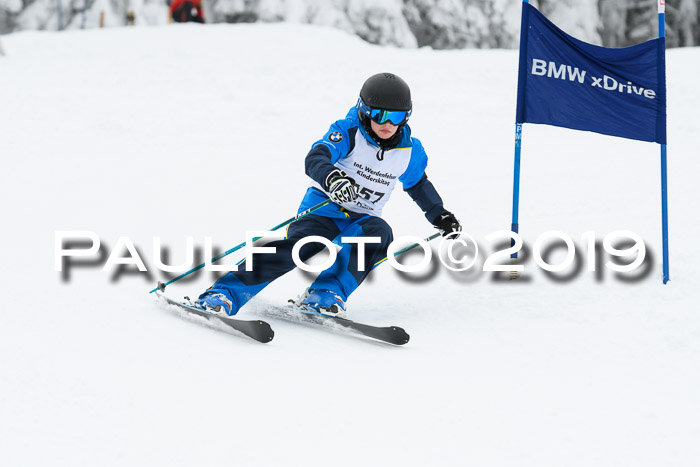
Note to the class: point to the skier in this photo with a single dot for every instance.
(356, 165)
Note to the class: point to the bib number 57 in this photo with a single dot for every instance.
(368, 194)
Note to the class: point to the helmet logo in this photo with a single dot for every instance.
(335, 137)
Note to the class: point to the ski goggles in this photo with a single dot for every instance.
(381, 116)
(395, 117)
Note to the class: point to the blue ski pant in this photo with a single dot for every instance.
(343, 277)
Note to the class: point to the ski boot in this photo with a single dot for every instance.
(216, 303)
(325, 302)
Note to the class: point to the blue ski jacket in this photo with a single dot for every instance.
(375, 167)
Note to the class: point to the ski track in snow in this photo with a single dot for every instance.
(196, 131)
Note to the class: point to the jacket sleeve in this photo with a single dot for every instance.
(427, 198)
(334, 145)
(419, 188)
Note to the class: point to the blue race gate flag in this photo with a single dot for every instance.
(572, 84)
(565, 82)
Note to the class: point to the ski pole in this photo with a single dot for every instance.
(408, 248)
(400, 252)
(161, 286)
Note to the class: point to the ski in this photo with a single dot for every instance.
(391, 334)
(255, 329)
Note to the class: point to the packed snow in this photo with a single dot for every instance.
(190, 130)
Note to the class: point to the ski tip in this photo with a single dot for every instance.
(402, 336)
(267, 333)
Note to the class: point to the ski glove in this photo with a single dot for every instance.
(342, 189)
(447, 223)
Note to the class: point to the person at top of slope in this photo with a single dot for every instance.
(184, 11)
(356, 165)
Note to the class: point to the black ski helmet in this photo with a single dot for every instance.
(386, 91)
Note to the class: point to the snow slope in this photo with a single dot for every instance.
(201, 131)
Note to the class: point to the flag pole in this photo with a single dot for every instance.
(664, 211)
(516, 182)
(664, 183)
(519, 119)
